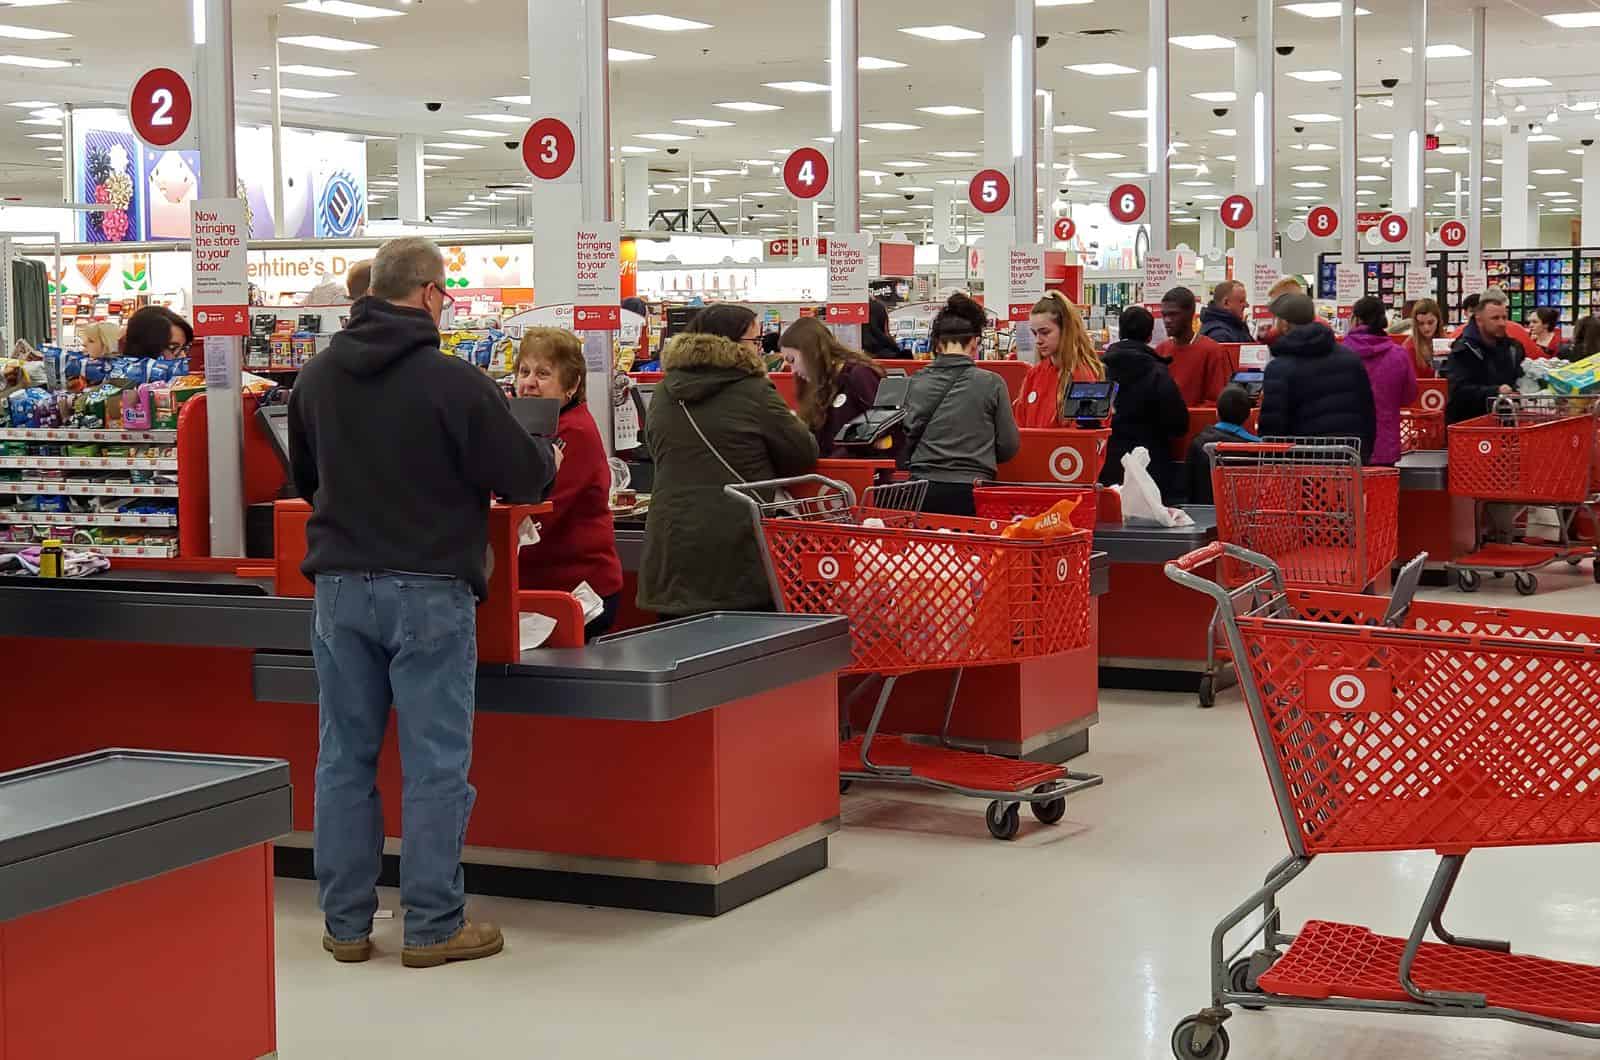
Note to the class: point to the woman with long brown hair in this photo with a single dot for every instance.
(835, 384)
(1066, 356)
(1427, 324)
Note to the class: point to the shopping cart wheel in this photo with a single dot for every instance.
(1240, 981)
(1468, 580)
(1052, 811)
(1573, 561)
(1527, 584)
(1004, 818)
(1185, 1042)
(1208, 691)
(844, 786)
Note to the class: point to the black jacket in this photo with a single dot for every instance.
(1150, 411)
(1197, 462)
(1314, 387)
(1476, 371)
(1219, 325)
(398, 448)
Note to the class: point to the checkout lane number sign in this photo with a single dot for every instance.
(160, 107)
(549, 148)
(989, 191)
(805, 174)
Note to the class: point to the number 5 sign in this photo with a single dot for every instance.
(549, 148)
(989, 191)
(159, 107)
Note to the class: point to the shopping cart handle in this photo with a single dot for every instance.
(1199, 557)
(1252, 447)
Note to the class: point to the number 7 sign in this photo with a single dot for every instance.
(1237, 212)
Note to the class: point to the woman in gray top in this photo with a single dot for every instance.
(959, 426)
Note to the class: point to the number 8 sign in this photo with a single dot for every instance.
(1127, 203)
(549, 148)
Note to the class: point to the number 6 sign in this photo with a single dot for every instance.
(990, 191)
(549, 148)
(1127, 203)
(160, 106)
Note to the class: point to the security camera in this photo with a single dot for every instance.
(1389, 82)
(1299, 128)
(1589, 142)
(899, 173)
(434, 107)
(512, 145)
(909, 196)
(1041, 40)
(672, 150)
(1286, 49)
(1221, 112)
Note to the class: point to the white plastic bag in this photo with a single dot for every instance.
(1141, 498)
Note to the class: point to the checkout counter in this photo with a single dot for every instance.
(136, 910)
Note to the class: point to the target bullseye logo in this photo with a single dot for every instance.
(828, 568)
(1432, 400)
(1061, 570)
(1066, 464)
(1347, 692)
(1486, 447)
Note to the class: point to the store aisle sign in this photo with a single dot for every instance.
(1127, 203)
(805, 173)
(1394, 228)
(990, 191)
(1453, 234)
(847, 279)
(794, 248)
(1237, 212)
(1349, 283)
(549, 149)
(1025, 280)
(1419, 283)
(1323, 222)
(597, 267)
(160, 107)
(221, 275)
(1065, 229)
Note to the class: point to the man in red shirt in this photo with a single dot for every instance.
(1199, 366)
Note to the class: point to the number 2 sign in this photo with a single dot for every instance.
(549, 148)
(160, 106)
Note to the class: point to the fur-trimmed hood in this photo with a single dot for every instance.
(699, 365)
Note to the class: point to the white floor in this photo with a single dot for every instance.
(927, 939)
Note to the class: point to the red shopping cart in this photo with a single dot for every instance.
(1386, 725)
(1003, 502)
(1528, 453)
(929, 593)
(1421, 429)
(1310, 505)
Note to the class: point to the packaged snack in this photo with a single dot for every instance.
(163, 407)
(257, 353)
(13, 448)
(52, 502)
(136, 408)
(87, 535)
(83, 450)
(282, 352)
(21, 404)
(304, 347)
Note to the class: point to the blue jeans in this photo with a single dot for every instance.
(409, 640)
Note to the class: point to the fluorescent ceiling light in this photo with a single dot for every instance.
(635, 149)
(1443, 51)
(328, 44)
(441, 158)
(942, 32)
(44, 136)
(880, 195)
(1102, 69)
(1543, 138)
(798, 86)
(749, 106)
(51, 122)
(663, 23)
(1073, 130)
(431, 169)
(1308, 198)
(914, 188)
(1370, 178)
(1202, 42)
(516, 101)
(30, 104)
(872, 62)
(1129, 175)
(29, 33)
(703, 123)
(297, 93)
(301, 70)
(1081, 182)
(1315, 118)
(1215, 97)
(33, 62)
(1324, 9)
(907, 163)
(890, 126)
(1224, 132)
(1550, 172)
(499, 119)
(956, 154)
(1208, 197)
(1575, 19)
(1438, 169)
(1522, 82)
(346, 9)
(1138, 114)
(1315, 77)
(950, 110)
(51, 147)
(35, 3)
(1197, 183)
(1309, 169)
(1453, 149)
(715, 173)
(476, 134)
(451, 146)
(664, 137)
(623, 55)
(1101, 156)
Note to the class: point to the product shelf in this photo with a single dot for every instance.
(85, 519)
(88, 489)
(91, 463)
(113, 551)
(84, 434)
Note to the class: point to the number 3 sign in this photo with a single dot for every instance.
(549, 148)
(160, 106)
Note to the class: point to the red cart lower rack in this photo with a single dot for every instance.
(1387, 724)
(928, 592)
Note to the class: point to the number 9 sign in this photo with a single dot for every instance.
(1394, 228)
(1127, 203)
(805, 173)
(160, 106)
(549, 148)
(989, 191)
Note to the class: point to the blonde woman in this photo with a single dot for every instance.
(1066, 356)
(101, 340)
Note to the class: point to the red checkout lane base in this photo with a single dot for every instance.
(1152, 631)
(696, 815)
(179, 966)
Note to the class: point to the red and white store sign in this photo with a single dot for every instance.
(1453, 234)
(1025, 281)
(1237, 212)
(847, 279)
(597, 267)
(160, 107)
(805, 173)
(989, 191)
(1366, 220)
(549, 149)
(221, 283)
(1322, 222)
(1394, 228)
(1127, 203)
(1065, 228)
(793, 248)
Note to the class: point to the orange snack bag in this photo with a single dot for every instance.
(1055, 522)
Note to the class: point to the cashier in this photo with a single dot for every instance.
(156, 331)
(1066, 356)
(577, 549)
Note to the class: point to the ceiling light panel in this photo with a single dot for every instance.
(499, 119)
(1102, 69)
(1202, 42)
(890, 126)
(942, 32)
(703, 123)
(660, 23)
(345, 9)
(1323, 9)
(748, 106)
(798, 86)
(33, 62)
(1315, 77)
(288, 92)
(623, 55)
(950, 110)
(328, 44)
(29, 33)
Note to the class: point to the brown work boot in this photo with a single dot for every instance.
(474, 940)
(348, 952)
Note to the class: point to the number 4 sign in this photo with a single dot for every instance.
(805, 173)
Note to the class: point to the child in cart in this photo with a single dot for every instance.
(1233, 409)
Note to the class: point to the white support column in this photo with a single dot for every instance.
(1158, 128)
(1475, 142)
(1244, 169)
(1591, 196)
(1024, 148)
(413, 178)
(1348, 87)
(1213, 236)
(998, 228)
(68, 161)
(276, 202)
(636, 194)
(1047, 178)
(212, 25)
(806, 224)
(944, 198)
(1400, 153)
(844, 46)
(569, 78)
(1265, 117)
(1419, 131)
(1516, 233)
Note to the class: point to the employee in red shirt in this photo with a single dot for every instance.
(1199, 366)
(1066, 356)
(577, 540)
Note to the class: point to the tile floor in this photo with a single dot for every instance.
(927, 939)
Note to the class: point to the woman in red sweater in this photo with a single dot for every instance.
(1427, 324)
(1066, 356)
(577, 540)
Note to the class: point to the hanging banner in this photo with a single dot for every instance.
(1160, 275)
(221, 276)
(1474, 281)
(597, 266)
(847, 279)
(1266, 274)
(1419, 283)
(1026, 277)
(1349, 284)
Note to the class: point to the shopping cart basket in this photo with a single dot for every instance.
(1388, 724)
(921, 593)
(1003, 502)
(1528, 452)
(1421, 429)
(1310, 505)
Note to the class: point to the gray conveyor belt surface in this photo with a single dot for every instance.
(89, 824)
(1427, 469)
(1156, 544)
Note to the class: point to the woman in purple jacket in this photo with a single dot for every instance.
(835, 384)
(1394, 381)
